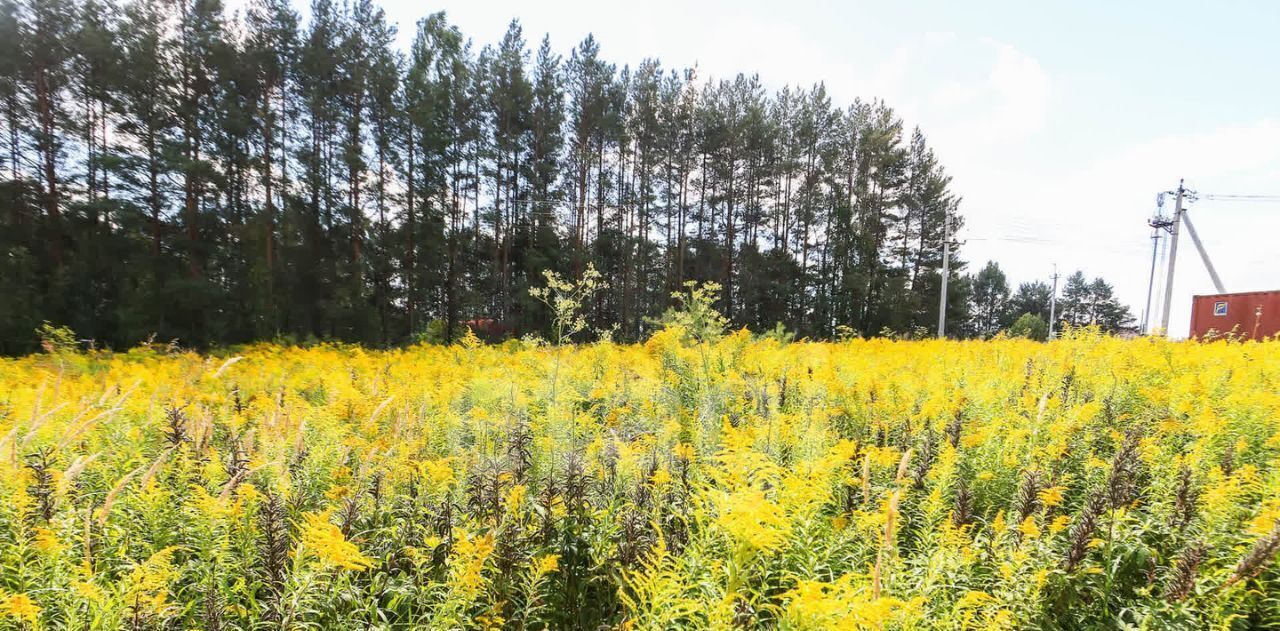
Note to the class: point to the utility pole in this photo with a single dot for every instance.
(946, 271)
(1053, 303)
(1151, 280)
(1157, 223)
(1173, 258)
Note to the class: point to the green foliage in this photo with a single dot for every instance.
(57, 339)
(566, 299)
(1085, 303)
(1030, 326)
(183, 171)
(990, 299)
(1082, 303)
(695, 312)
(435, 333)
(779, 334)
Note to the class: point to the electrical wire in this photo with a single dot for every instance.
(1231, 197)
(1041, 241)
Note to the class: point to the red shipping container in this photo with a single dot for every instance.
(1253, 315)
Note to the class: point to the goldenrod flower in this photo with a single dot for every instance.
(749, 517)
(47, 541)
(838, 605)
(546, 564)
(1029, 528)
(326, 541)
(1059, 524)
(88, 591)
(148, 583)
(20, 606)
(684, 451)
(470, 555)
(1051, 496)
(438, 474)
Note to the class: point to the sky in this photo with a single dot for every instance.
(1059, 121)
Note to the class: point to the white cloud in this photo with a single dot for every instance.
(1022, 88)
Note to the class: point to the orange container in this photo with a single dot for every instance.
(1254, 314)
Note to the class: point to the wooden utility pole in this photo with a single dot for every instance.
(1053, 302)
(946, 272)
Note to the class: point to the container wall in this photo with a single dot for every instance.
(1252, 315)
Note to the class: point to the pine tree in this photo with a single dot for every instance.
(46, 78)
(269, 54)
(170, 170)
(387, 124)
(1085, 303)
(435, 90)
(990, 300)
(1073, 307)
(1032, 298)
(508, 109)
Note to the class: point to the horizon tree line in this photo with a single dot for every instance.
(173, 170)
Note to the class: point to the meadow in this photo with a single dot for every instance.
(724, 481)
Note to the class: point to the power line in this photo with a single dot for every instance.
(1128, 249)
(1231, 197)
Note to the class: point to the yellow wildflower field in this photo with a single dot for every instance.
(739, 483)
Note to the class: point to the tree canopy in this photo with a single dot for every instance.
(176, 170)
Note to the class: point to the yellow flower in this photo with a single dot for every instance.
(1041, 577)
(749, 517)
(21, 502)
(21, 606)
(516, 496)
(470, 554)
(838, 605)
(47, 541)
(1059, 524)
(148, 583)
(209, 505)
(438, 474)
(1051, 496)
(884, 456)
(87, 591)
(1266, 518)
(661, 477)
(546, 564)
(973, 599)
(985, 475)
(337, 492)
(1007, 570)
(998, 525)
(1002, 620)
(1029, 528)
(327, 543)
(684, 451)
(248, 493)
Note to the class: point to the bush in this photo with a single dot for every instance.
(56, 339)
(1030, 326)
